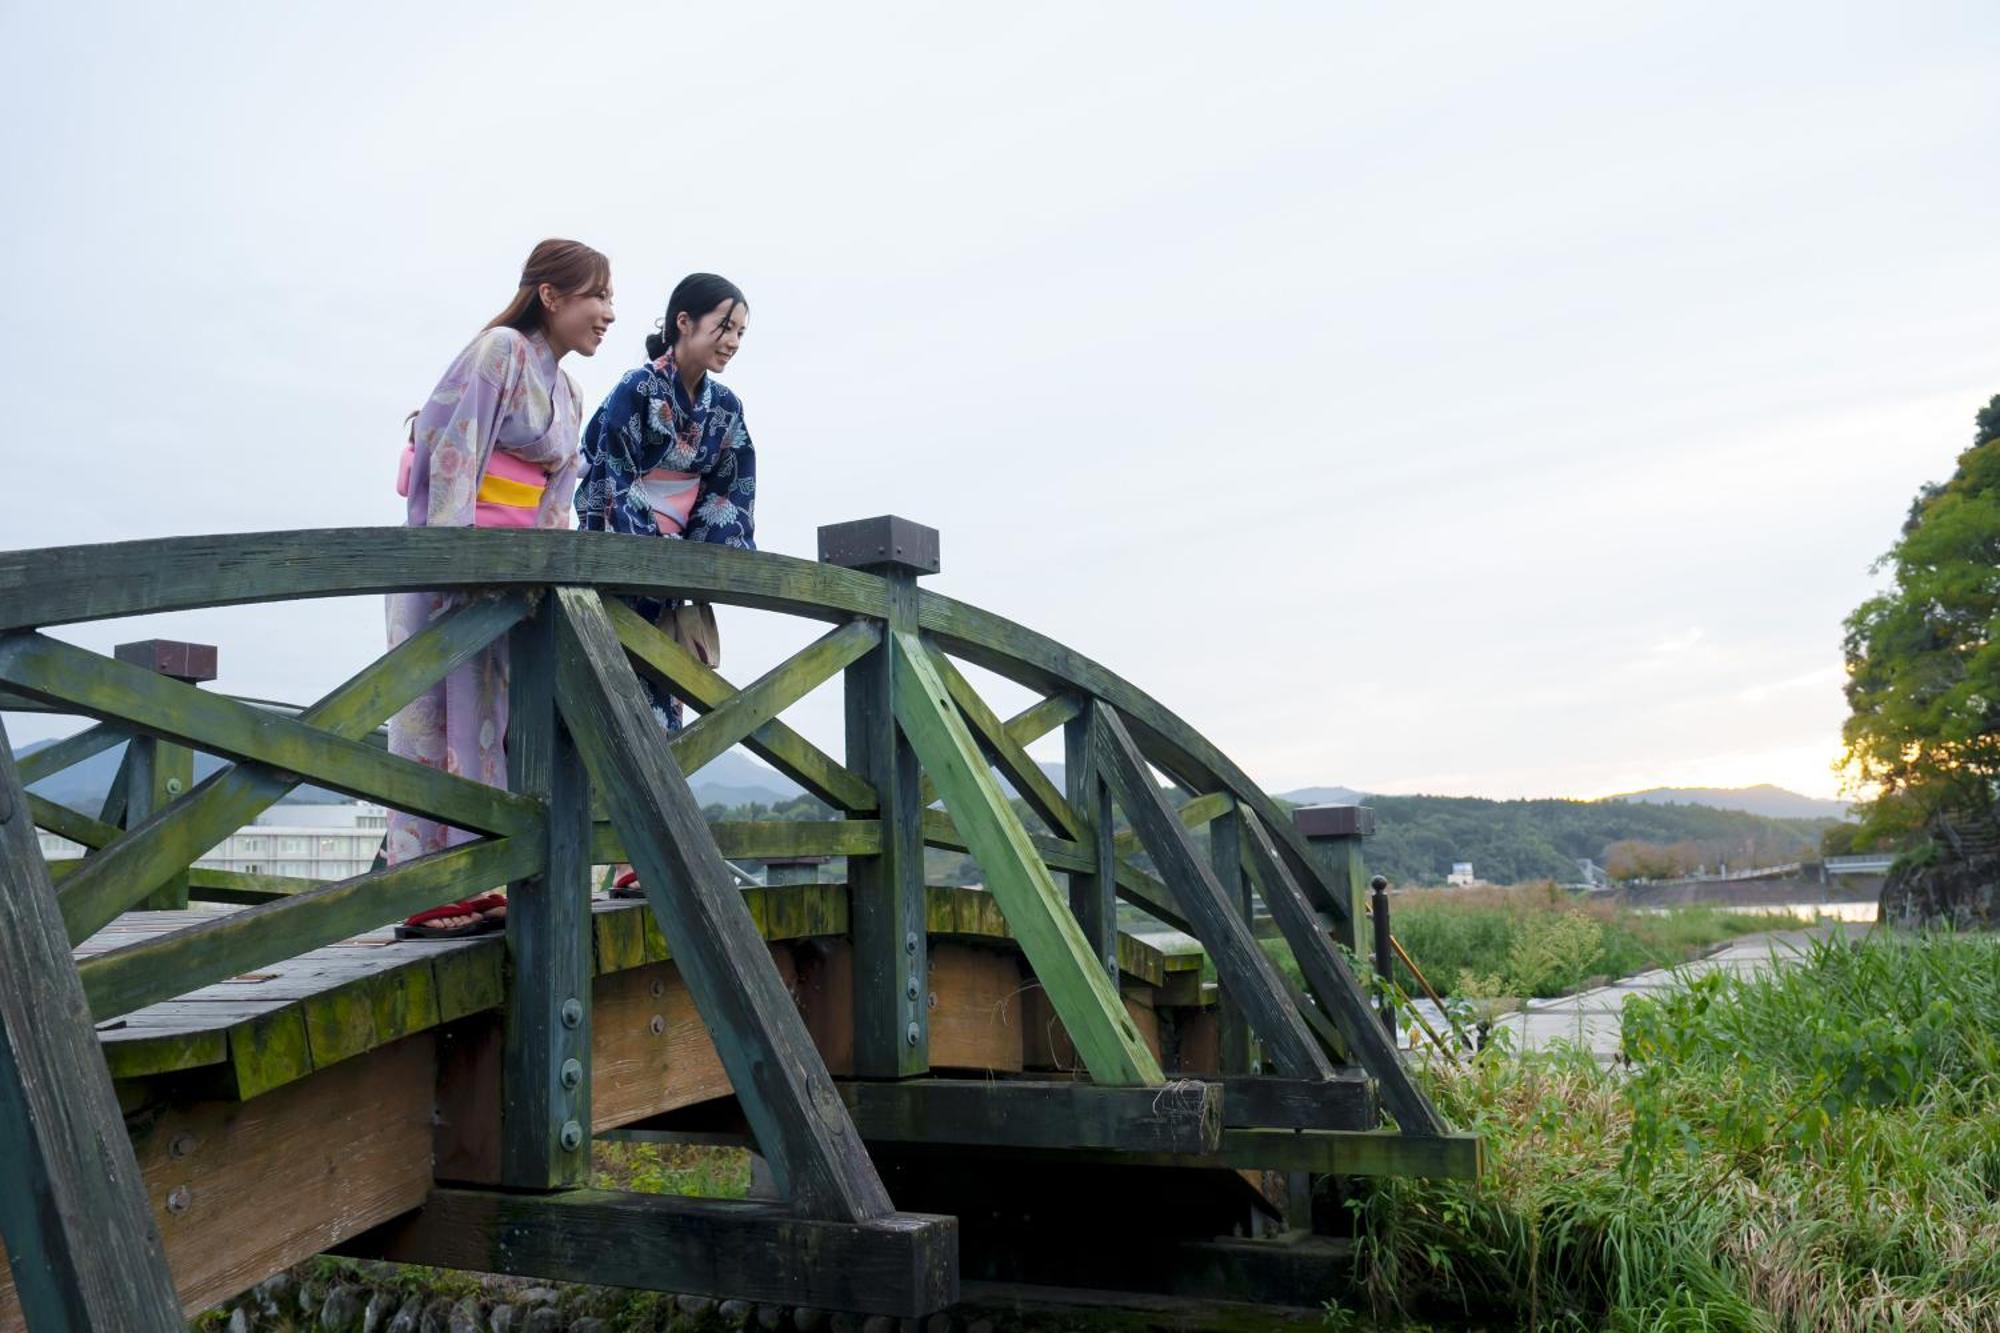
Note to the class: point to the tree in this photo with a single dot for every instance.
(1923, 657)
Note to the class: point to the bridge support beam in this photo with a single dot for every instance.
(892, 1025)
(81, 1240)
(902, 1264)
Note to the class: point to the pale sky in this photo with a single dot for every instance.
(1474, 399)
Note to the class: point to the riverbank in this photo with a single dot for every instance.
(1811, 1147)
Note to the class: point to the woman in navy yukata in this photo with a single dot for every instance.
(667, 454)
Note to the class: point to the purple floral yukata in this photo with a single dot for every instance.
(504, 392)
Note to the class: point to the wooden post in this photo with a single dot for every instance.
(886, 891)
(1385, 958)
(1334, 832)
(1093, 895)
(158, 773)
(81, 1239)
(1225, 848)
(546, 1062)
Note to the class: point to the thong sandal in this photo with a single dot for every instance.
(627, 886)
(418, 927)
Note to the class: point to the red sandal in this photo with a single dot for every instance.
(418, 927)
(627, 886)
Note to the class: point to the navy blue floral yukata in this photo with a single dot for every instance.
(661, 462)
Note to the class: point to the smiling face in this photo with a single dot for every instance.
(577, 321)
(706, 345)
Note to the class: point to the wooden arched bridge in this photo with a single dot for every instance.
(996, 1081)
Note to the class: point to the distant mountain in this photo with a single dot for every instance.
(734, 778)
(1762, 799)
(1323, 796)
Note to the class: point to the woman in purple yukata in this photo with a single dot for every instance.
(494, 447)
(667, 454)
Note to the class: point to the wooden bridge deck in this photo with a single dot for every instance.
(282, 1112)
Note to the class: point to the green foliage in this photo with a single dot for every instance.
(1811, 1150)
(1923, 657)
(665, 1168)
(1515, 842)
(1539, 941)
(803, 808)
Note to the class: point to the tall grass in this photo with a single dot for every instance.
(1818, 1149)
(1537, 940)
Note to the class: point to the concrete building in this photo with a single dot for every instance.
(302, 841)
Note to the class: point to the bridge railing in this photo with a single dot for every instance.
(594, 780)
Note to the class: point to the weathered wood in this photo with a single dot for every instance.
(1093, 893)
(772, 693)
(1334, 985)
(1193, 814)
(1346, 1101)
(166, 708)
(898, 1264)
(1238, 1044)
(891, 946)
(784, 749)
(764, 839)
(71, 824)
(161, 968)
(1026, 727)
(1327, 1152)
(1040, 663)
(785, 1090)
(61, 584)
(70, 751)
(1240, 963)
(1056, 948)
(81, 1242)
(1010, 1113)
(158, 774)
(546, 1062)
(1023, 773)
(225, 801)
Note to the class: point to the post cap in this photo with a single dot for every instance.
(1334, 821)
(190, 662)
(881, 545)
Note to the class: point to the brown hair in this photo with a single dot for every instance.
(568, 266)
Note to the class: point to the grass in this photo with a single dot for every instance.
(1814, 1150)
(664, 1168)
(1538, 941)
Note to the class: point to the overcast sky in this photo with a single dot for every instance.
(1475, 399)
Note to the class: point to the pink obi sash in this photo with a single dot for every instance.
(671, 497)
(510, 493)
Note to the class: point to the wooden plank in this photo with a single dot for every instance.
(1056, 948)
(545, 1139)
(886, 903)
(175, 837)
(114, 690)
(158, 969)
(761, 701)
(1333, 984)
(1040, 663)
(1023, 773)
(1182, 1117)
(786, 1092)
(1193, 814)
(1346, 1102)
(235, 886)
(161, 774)
(71, 824)
(764, 839)
(1238, 1050)
(241, 1192)
(899, 1264)
(63, 584)
(1026, 727)
(774, 742)
(84, 1251)
(1093, 893)
(1241, 964)
(70, 751)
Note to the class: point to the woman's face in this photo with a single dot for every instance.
(577, 321)
(708, 343)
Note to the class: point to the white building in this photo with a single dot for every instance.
(301, 841)
(1461, 875)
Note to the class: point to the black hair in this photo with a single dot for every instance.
(695, 296)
